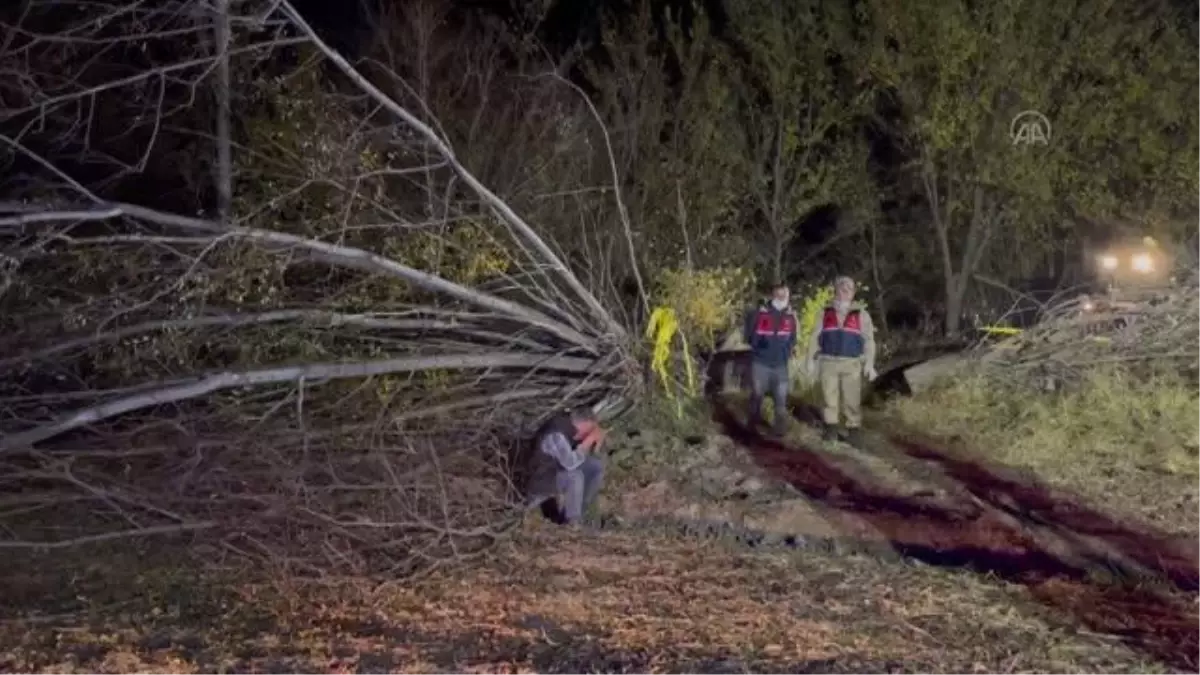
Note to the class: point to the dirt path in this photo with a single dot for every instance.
(979, 518)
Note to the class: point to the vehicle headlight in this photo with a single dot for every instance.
(1142, 262)
(1109, 262)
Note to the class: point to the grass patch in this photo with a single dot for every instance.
(1127, 442)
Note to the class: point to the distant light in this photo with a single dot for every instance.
(1089, 306)
(1142, 262)
(1109, 262)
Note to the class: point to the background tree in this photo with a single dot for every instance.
(800, 130)
(959, 73)
(664, 91)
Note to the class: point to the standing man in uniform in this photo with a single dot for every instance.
(564, 465)
(842, 352)
(771, 333)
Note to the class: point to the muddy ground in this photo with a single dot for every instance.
(933, 505)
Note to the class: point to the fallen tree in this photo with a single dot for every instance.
(1156, 329)
(332, 377)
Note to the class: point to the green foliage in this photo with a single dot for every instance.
(960, 72)
(1113, 418)
(811, 307)
(799, 136)
(706, 302)
(696, 306)
(674, 135)
(651, 441)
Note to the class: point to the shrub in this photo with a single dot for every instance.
(706, 302)
(696, 306)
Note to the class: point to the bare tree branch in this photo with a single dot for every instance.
(333, 370)
(316, 371)
(626, 227)
(345, 257)
(440, 145)
(325, 318)
(107, 536)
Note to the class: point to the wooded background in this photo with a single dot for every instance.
(300, 273)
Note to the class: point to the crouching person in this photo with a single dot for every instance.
(566, 473)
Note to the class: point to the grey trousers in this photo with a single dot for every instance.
(774, 380)
(577, 489)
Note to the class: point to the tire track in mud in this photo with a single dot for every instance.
(986, 537)
(1174, 558)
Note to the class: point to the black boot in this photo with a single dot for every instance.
(854, 437)
(779, 427)
(829, 432)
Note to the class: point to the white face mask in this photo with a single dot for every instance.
(778, 304)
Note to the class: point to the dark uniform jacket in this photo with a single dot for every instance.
(542, 469)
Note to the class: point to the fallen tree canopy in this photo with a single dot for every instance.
(331, 374)
(1160, 330)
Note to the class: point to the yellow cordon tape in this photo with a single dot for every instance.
(660, 331)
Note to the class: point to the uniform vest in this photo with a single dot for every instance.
(766, 325)
(845, 340)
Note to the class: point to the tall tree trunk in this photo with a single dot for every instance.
(777, 226)
(984, 216)
(224, 167)
(956, 295)
(876, 279)
(777, 263)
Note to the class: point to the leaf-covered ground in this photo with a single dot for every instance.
(551, 600)
(641, 599)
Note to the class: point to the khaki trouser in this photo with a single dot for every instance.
(841, 388)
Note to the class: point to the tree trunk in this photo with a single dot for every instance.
(880, 300)
(224, 172)
(777, 263)
(781, 238)
(956, 294)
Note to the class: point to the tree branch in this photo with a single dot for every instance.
(224, 164)
(626, 227)
(342, 256)
(329, 319)
(317, 371)
(440, 145)
(107, 536)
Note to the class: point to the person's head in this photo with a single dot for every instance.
(843, 289)
(584, 419)
(780, 295)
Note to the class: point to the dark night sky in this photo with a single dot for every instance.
(567, 23)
